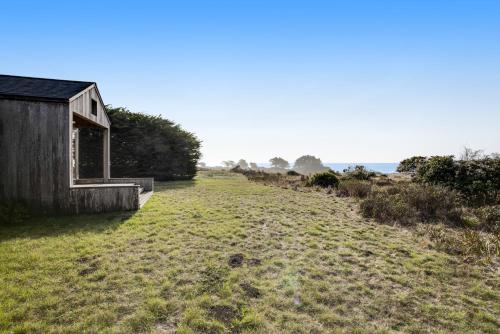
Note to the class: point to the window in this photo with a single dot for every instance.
(94, 107)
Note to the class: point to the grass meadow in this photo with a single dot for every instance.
(221, 254)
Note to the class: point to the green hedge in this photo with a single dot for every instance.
(142, 146)
(478, 181)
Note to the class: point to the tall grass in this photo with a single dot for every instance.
(443, 216)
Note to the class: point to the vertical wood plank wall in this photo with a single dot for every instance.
(34, 155)
(81, 105)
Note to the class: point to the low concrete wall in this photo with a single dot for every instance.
(145, 182)
(103, 198)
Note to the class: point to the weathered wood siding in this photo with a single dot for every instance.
(81, 105)
(34, 153)
(93, 199)
(35, 158)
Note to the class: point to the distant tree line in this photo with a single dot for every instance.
(141, 146)
(306, 164)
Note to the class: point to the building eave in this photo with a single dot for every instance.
(32, 98)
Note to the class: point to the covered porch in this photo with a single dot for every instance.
(91, 187)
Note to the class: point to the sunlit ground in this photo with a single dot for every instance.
(221, 254)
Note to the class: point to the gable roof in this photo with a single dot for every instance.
(40, 89)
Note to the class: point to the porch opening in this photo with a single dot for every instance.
(87, 149)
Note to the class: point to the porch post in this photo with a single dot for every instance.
(77, 153)
(106, 161)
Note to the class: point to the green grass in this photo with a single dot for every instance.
(221, 254)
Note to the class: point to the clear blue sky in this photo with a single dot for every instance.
(370, 81)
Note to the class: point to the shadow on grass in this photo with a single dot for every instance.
(159, 186)
(52, 226)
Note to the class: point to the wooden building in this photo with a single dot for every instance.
(39, 156)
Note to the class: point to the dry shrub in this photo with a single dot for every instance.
(489, 217)
(472, 245)
(440, 212)
(433, 203)
(383, 181)
(388, 208)
(413, 203)
(354, 188)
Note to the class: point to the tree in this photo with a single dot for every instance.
(278, 162)
(469, 154)
(151, 146)
(495, 155)
(411, 165)
(229, 163)
(243, 164)
(308, 164)
(253, 166)
(202, 165)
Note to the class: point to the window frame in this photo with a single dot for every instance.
(93, 107)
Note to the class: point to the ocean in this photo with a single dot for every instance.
(382, 167)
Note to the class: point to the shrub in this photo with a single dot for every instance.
(438, 170)
(324, 180)
(293, 173)
(354, 188)
(275, 179)
(383, 181)
(237, 169)
(387, 209)
(470, 244)
(480, 244)
(411, 165)
(433, 202)
(358, 173)
(478, 180)
(413, 203)
(489, 217)
(476, 176)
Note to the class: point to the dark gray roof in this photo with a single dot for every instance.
(27, 88)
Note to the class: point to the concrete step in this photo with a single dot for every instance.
(143, 197)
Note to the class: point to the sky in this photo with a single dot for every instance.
(346, 81)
